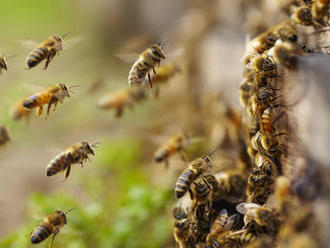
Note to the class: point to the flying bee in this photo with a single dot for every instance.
(176, 143)
(47, 49)
(3, 63)
(4, 135)
(75, 154)
(51, 95)
(263, 216)
(303, 15)
(320, 11)
(19, 112)
(222, 225)
(195, 169)
(50, 225)
(145, 63)
(120, 99)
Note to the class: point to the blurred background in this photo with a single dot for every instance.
(123, 198)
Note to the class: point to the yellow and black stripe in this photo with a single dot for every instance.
(36, 56)
(41, 233)
(184, 181)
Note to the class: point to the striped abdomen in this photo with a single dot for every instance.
(138, 72)
(41, 233)
(36, 56)
(184, 181)
(165, 151)
(59, 163)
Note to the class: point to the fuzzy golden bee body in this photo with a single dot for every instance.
(176, 143)
(303, 15)
(47, 49)
(75, 154)
(50, 225)
(3, 63)
(52, 95)
(120, 99)
(4, 135)
(320, 11)
(194, 170)
(18, 111)
(145, 63)
(181, 232)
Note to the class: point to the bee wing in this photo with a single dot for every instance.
(30, 44)
(223, 212)
(69, 43)
(232, 222)
(244, 207)
(127, 58)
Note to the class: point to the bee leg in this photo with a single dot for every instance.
(153, 69)
(183, 156)
(67, 173)
(205, 181)
(119, 112)
(54, 235)
(52, 53)
(39, 111)
(166, 163)
(52, 100)
(149, 81)
(191, 194)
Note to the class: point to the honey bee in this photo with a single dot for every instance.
(120, 99)
(75, 154)
(146, 62)
(4, 135)
(176, 143)
(3, 63)
(285, 54)
(264, 65)
(50, 225)
(320, 11)
(286, 32)
(182, 224)
(231, 185)
(264, 41)
(263, 216)
(222, 225)
(303, 15)
(233, 240)
(195, 169)
(51, 95)
(47, 49)
(19, 112)
(164, 73)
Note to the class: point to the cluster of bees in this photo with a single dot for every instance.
(251, 205)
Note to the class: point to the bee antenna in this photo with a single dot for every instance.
(96, 144)
(70, 210)
(212, 152)
(65, 34)
(73, 86)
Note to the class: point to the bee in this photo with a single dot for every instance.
(233, 240)
(303, 15)
(164, 73)
(264, 41)
(182, 224)
(285, 54)
(75, 154)
(195, 169)
(3, 63)
(264, 65)
(120, 99)
(176, 143)
(146, 62)
(47, 49)
(263, 216)
(287, 32)
(320, 11)
(222, 225)
(51, 95)
(4, 135)
(19, 112)
(231, 185)
(50, 225)
(245, 91)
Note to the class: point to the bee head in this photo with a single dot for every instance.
(65, 89)
(88, 148)
(62, 215)
(58, 38)
(157, 50)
